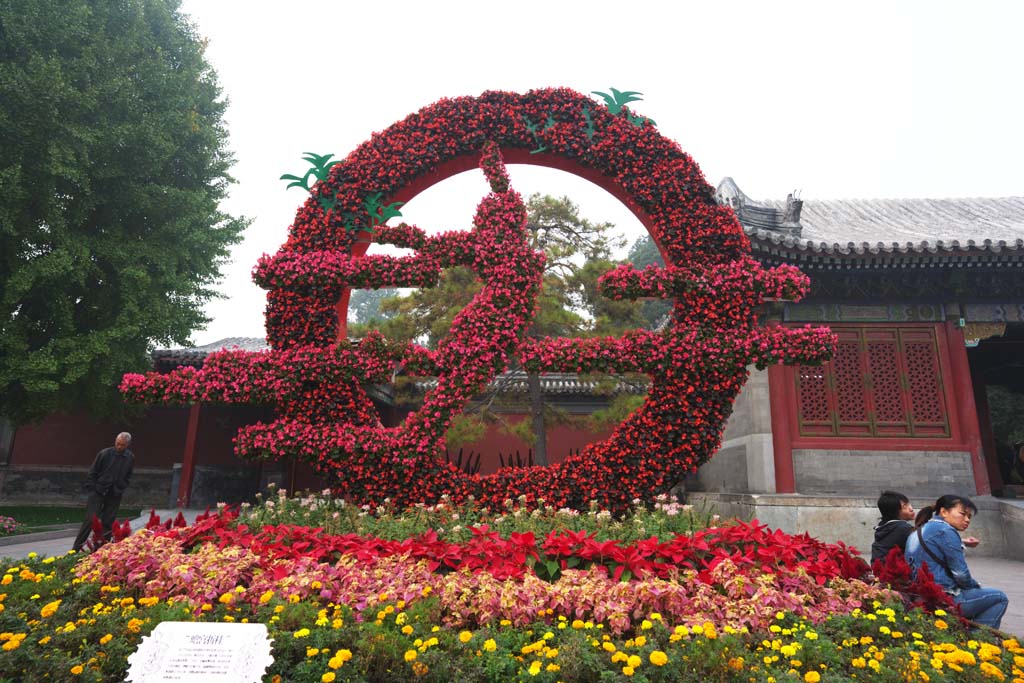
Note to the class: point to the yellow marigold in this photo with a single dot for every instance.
(343, 655)
(941, 625)
(535, 668)
(410, 655)
(736, 663)
(44, 640)
(709, 630)
(328, 677)
(991, 671)
(301, 633)
(658, 658)
(49, 609)
(608, 646)
(312, 651)
(987, 652)
(134, 625)
(226, 598)
(6, 581)
(859, 663)
(812, 677)
(407, 629)
(106, 639)
(77, 669)
(149, 602)
(465, 636)
(628, 671)
(266, 596)
(634, 661)
(640, 641)
(490, 645)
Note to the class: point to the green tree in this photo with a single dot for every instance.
(645, 253)
(113, 161)
(578, 251)
(364, 305)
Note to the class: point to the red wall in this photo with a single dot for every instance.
(561, 441)
(73, 440)
(158, 437)
(158, 440)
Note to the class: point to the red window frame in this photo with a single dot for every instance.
(885, 382)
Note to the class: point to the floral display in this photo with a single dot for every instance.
(763, 606)
(696, 365)
(9, 525)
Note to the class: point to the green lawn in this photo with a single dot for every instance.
(41, 517)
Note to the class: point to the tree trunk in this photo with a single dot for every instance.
(540, 444)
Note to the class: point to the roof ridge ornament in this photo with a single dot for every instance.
(791, 218)
(761, 216)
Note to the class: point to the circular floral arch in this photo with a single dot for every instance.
(696, 366)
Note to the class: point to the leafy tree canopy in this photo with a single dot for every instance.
(113, 161)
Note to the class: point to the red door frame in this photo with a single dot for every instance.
(965, 434)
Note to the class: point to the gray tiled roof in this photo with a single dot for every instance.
(884, 226)
(241, 343)
(514, 382)
(508, 382)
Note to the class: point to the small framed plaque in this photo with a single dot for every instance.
(201, 652)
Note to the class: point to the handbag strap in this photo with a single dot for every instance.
(941, 563)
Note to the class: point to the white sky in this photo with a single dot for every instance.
(866, 99)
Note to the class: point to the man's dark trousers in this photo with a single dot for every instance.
(104, 507)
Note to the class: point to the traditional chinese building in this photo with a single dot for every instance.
(927, 300)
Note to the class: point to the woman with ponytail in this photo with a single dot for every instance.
(938, 544)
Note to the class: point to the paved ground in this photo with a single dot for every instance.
(1007, 575)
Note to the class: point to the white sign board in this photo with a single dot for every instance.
(201, 652)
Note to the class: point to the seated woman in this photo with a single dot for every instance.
(938, 545)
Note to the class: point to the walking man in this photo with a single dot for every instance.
(108, 479)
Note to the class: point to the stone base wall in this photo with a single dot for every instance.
(745, 462)
(213, 484)
(21, 485)
(918, 474)
(150, 488)
(999, 524)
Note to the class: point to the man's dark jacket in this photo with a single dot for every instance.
(111, 471)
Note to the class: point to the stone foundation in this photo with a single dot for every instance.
(999, 524)
(21, 485)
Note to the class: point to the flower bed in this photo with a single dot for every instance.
(373, 604)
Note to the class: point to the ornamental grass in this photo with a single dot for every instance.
(385, 616)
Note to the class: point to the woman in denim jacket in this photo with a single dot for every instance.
(941, 536)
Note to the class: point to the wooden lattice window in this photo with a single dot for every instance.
(882, 382)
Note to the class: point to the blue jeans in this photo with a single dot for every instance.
(985, 606)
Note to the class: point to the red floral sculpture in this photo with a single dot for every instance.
(696, 366)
